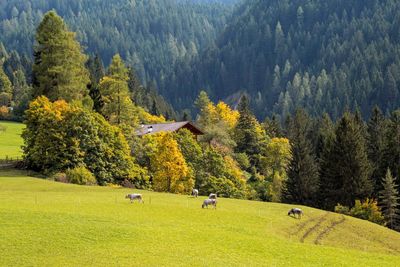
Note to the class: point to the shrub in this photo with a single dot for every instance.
(80, 175)
(366, 210)
(342, 209)
(4, 112)
(60, 177)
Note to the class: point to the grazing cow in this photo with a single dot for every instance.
(195, 192)
(295, 211)
(212, 202)
(132, 197)
(212, 196)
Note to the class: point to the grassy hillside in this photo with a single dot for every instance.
(48, 223)
(10, 139)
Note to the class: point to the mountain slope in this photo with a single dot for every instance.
(151, 34)
(324, 55)
(56, 223)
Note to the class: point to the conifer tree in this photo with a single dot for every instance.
(348, 169)
(392, 146)
(389, 196)
(246, 137)
(303, 181)
(96, 71)
(272, 127)
(118, 107)
(325, 142)
(376, 145)
(202, 103)
(59, 68)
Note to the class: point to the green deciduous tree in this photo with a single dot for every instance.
(5, 88)
(59, 136)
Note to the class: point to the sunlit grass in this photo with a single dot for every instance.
(11, 140)
(44, 223)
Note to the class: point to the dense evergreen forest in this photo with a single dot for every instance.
(324, 56)
(150, 35)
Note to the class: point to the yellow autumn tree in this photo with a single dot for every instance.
(226, 114)
(274, 165)
(170, 171)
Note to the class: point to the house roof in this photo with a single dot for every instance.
(168, 127)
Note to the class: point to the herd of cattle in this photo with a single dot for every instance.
(210, 201)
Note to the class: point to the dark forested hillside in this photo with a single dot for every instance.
(324, 55)
(150, 34)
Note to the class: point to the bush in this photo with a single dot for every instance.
(60, 177)
(342, 209)
(367, 210)
(4, 113)
(80, 175)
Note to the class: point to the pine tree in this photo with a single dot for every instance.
(325, 142)
(390, 200)
(246, 137)
(3, 53)
(59, 69)
(376, 145)
(272, 127)
(202, 104)
(118, 107)
(348, 169)
(303, 181)
(392, 146)
(96, 71)
(154, 109)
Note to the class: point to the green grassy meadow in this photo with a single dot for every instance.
(10, 140)
(44, 223)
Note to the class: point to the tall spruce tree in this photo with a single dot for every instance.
(303, 181)
(347, 173)
(246, 137)
(96, 71)
(389, 197)
(392, 147)
(325, 142)
(376, 145)
(202, 103)
(59, 67)
(118, 107)
(272, 127)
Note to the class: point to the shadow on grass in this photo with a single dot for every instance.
(13, 172)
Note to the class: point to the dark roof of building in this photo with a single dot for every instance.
(168, 127)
